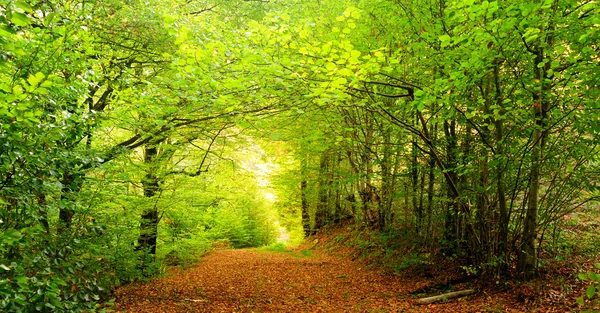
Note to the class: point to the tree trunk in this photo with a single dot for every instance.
(386, 181)
(414, 179)
(452, 213)
(501, 194)
(149, 219)
(305, 215)
(430, 195)
(321, 215)
(528, 255)
(304, 196)
(71, 184)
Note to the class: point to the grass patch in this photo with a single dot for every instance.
(306, 253)
(276, 247)
(281, 248)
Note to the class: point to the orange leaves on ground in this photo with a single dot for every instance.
(258, 281)
(252, 281)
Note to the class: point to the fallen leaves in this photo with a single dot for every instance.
(258, 281)
(249, 281)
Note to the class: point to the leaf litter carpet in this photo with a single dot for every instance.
(260, 281)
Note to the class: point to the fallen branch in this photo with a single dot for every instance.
(446, 296)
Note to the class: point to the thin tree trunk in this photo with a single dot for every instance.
(430, 195)
(304, 197)
(414, 176)
(321, 214)
(305, 215)
(386, 180)
(452, 214)
(528, 256)
(501, 194)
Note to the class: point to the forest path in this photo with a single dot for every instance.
(257, 280)
(262, 281)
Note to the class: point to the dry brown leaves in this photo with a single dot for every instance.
(257, 281)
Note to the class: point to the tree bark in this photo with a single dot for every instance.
(528, 255)
(305, 215)
(501, 194)
(446, 296)
(385, 202)
(149, 219)
(452, 214)
(321, 215)
(414, 179)
(71, 184)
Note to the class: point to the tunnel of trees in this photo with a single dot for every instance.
(136, 130)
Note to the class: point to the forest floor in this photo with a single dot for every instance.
(259, 280)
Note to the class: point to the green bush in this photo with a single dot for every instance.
(244, 225)
(594, 289)
(57, 274)
(184, 252)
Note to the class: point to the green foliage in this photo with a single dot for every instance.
(283, 248)
(75, 80)
(61, 274)
(185, 252)
(119, 122)
(593, 290)
(277, 247)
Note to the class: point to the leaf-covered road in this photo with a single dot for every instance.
(256, 281)
(260, 281)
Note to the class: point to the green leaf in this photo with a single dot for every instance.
(47, 83)
(582, 276)
(590, 291)
(41, 91)
(33, 80)
(6, 30)
(20, 19)
(60, 282)
(11, 235)
(24, 6)
(5, 88)
(445, 40)
(346, 72)
(580, 301)
(22, 280)
(169, 19)
(597, 265)
(49, 18)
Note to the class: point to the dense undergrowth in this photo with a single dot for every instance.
(569, 264)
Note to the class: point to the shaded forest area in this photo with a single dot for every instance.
(137, 134)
